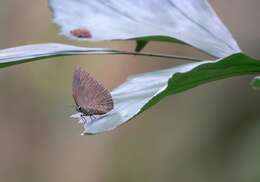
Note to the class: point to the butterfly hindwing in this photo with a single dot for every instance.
(92, 97)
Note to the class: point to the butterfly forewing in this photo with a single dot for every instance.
(89, 95)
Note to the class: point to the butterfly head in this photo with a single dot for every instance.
(78, 108)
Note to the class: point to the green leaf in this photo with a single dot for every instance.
(256, 83)
(143, 41)
(141, 92)
(140, 45)
(234, 65)
(28, 53)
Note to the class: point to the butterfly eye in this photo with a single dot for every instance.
(79, 108)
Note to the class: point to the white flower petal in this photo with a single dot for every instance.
(26, 53)
(191, 21)
(140, 92)
(130, 97)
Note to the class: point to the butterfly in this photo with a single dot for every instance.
(90, 96)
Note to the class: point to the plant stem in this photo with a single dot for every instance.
(168, 56)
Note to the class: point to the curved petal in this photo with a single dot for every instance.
(26, 53)
(32, 52)
(191, 21)
(142, 91)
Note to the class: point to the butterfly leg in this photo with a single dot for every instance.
(85, 121)
(92, 117)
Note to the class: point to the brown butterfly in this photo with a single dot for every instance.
(91, 97)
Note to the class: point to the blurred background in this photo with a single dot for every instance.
(210, 133)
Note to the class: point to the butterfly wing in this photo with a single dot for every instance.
(90, 95)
